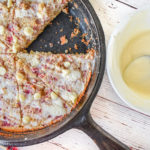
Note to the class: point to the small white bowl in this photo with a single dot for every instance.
(131, 26)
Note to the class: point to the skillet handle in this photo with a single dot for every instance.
(103, 140)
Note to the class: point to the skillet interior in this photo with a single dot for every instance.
(84, 19)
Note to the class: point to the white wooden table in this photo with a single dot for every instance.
(113, 115)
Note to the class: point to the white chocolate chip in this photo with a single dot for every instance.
(74, 75)
(2, 70)
(2, 29)
(35, 61)
(58, 102)
(40, 15)
(19, 76)
(65, 72)
(28, 31)
(15, 48)
(26, 119)
(53, 110)
(67, 64)
(22, 97)
(73, 97)
(69, 96)
(53, 95)
(37, 96)
(9, 3)
(15, 40)
(58, 68)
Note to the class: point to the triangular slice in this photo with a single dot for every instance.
(68, 75)
(10, 118)
(25, 20)
(40, 106)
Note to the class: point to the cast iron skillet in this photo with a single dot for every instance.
(86, 20)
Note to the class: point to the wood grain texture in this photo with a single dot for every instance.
(128, 126)
(111, 113)
(110, 13)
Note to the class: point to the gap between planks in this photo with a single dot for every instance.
(126, 4)
(136, 3)
(123, 106)
(58, 145)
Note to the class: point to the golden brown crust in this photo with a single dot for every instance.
(12, 129)
(33, 129)
(82, 94)
(46, 125)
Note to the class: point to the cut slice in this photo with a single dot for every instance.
(10, 118)
(68, 75)
(40, 106)
(25, 20)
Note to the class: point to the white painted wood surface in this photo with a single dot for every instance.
(113, 115)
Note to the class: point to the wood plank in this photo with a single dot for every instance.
(44, 146)
(110, 13)
(75, 140)
(128, 126)
(71, 140)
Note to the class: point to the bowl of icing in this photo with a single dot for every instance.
(128, 60)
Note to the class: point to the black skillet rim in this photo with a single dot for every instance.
(92, 96)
